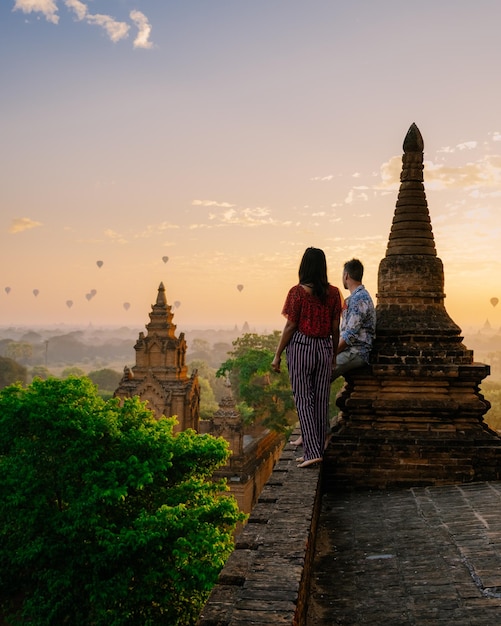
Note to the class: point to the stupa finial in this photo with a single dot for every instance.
(161, 297)
(413, 141)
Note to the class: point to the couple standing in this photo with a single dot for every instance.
(317, 347)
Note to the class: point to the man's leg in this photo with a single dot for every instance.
(346, 361)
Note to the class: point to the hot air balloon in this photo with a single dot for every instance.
(165, 259)
(240, 287)
(35, 292)
(69, 303)
(7, 290)
(177, 304)
(494, 301)
(99, 264)
(126, 305)
(88, 296)
(92, 292)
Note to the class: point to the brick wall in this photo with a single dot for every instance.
(265, 580)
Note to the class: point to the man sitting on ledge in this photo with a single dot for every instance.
(358, 322)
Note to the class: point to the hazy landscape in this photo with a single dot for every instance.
(60, 349)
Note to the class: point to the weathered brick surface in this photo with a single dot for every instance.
(264, 581)
(422, 556)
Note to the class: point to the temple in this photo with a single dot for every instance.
(415, 415)
(160, 373)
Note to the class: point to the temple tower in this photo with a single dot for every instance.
(160, 373)
(415, 415)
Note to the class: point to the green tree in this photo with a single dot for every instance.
(19, 351)
(40, 371)
(207, 372)
(208, 404)
(72, 371)
(106, 517)
(492, 392)
(261, 395)
(11, 372)
(106, 379)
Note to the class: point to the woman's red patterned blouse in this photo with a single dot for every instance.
(313, 318)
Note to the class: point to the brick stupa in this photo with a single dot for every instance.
(415, 415)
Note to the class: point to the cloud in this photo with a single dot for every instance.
(22, 223)
(78, 7)
(323, 178)
(155, 229)
(485, 172)
(115, 29)
(247, 217)
(353, 195)
(144, 30)
(466, 145)
(257, 216)
(224, 205)
(114, 236)
(390, 173)
(47, 7)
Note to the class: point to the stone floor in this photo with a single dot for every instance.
(422, 556)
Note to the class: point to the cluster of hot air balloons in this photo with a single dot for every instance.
(35, 291)
(126, 305)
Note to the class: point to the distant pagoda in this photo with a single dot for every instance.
(415, 415)
(160, 373)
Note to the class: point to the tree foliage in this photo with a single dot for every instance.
(19, 351)
(40, 371)
(106, 517)
(11, 372)
(492, 393)
(106, 379)
(261, 395)
(72, 371)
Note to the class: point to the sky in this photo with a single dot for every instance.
(206, 143)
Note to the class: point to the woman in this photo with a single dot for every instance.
(310, 338)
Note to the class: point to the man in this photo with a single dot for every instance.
(358, 322)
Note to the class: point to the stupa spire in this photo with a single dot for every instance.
(411, 275)
(411, 231)
(161, 314)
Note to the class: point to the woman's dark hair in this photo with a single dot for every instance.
(313, 271)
